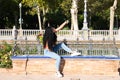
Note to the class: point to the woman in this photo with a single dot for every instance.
(50, 46)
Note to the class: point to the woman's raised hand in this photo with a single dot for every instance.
(67, 21)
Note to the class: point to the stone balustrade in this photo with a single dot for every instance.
(6, 34)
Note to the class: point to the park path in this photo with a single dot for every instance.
(9, 76)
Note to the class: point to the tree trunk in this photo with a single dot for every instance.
(74, 20)
(39, 18)
(112, 12)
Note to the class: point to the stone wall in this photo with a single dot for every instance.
(69, 66)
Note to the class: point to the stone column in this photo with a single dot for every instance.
(85, 24)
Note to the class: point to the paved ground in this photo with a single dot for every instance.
(7, 76)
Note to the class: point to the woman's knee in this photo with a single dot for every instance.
(62, 44)
(59, 58)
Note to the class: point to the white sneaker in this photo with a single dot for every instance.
(58, 74)
(74, 53)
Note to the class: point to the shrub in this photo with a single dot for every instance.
(5, 53)
(40, 38)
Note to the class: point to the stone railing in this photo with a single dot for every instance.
(7, 34)
(96, 48)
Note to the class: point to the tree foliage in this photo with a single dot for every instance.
(99, 10)
(8, 13)
(57, 11)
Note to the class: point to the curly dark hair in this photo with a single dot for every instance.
(50, 38)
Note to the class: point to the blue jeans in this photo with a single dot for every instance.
(53, 54)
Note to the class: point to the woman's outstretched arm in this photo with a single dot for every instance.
(61, 26)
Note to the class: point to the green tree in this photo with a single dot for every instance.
(47, 8)
(8, 13)
(57, 10)
(99, 11)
